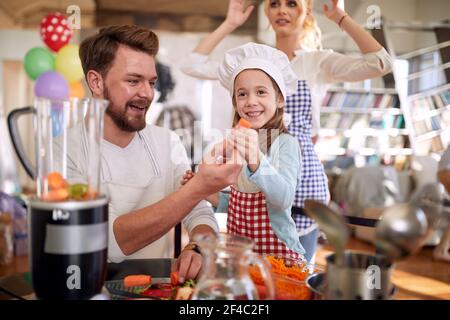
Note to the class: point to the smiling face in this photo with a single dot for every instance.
(255, 97)
(129, 86)
(286, 16)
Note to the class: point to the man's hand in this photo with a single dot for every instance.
(213, 175)
(189, 265)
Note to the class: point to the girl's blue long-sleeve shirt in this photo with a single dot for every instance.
(277, 177)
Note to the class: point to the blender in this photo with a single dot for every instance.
(68, 215)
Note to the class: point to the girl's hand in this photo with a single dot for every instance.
(335, 13)
(246, 142)
(188, 175)
(237, 14)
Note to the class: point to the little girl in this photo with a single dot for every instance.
(259, 79)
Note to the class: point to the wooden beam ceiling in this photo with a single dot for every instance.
(173, 15)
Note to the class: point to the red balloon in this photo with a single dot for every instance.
(54, 31)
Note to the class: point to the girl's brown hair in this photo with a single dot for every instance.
(274, 127)
(99, 51)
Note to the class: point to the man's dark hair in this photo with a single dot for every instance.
(99, 51)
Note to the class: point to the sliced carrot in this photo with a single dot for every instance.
(90, 194)
(244, 124)
(60, 194)
(137, 280)
(56, 181)
(262, 291)
(174, 278)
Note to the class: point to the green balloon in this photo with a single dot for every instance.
(37, 61)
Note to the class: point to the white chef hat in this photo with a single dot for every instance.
(258, 56)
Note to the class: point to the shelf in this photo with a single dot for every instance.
(398, 152)
(367, 151)
(362, 90)
(331, 151)
(393, 111)
(422, 51)
(416, 25)
(431, 113)
(324, 132)
(429, 92)
(430, 134)
(419, 74)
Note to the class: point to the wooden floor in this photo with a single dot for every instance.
(419, 277)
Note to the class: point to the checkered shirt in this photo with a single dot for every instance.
(313, 182)
(181, 119)
(248, 217)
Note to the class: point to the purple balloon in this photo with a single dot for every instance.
(52, 85)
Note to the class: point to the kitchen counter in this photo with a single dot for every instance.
(419, 277)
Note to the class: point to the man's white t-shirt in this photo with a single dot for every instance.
(147, 170)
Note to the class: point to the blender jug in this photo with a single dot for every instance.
(68, 216)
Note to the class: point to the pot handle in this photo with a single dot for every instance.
(16, 140)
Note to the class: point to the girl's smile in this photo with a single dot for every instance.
(255, 97)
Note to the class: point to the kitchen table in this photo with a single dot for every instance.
(18, 285)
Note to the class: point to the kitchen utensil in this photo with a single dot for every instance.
(332, 224)
(401, 231)
(68, 217)
(432, 199)
(119, 291)
(120, 294)
(317, 285)
(361, 276)
(225, 274)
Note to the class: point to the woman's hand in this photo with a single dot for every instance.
(246, 142)
(335, 13)
(237, 14)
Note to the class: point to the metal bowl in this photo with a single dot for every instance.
(316, 284)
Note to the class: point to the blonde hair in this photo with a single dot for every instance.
(311, 35)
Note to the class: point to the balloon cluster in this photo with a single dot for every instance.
(56, 69)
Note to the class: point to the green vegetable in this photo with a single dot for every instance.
(189, 283)
(78, 190)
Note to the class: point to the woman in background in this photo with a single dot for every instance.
(299, 37)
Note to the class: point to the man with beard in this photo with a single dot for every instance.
(142, 165)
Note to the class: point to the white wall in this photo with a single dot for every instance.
(15, 86)
(188, 90)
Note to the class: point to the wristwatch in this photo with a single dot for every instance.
(192, 246)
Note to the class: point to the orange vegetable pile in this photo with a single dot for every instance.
(60, 190)
(289, 279)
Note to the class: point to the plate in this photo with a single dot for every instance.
(159, 287)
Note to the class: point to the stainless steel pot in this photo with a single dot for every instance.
(316, 284)
(362, 276)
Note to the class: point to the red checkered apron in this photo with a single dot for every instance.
(248, 217)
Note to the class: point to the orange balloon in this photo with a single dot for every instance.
(76, 90)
